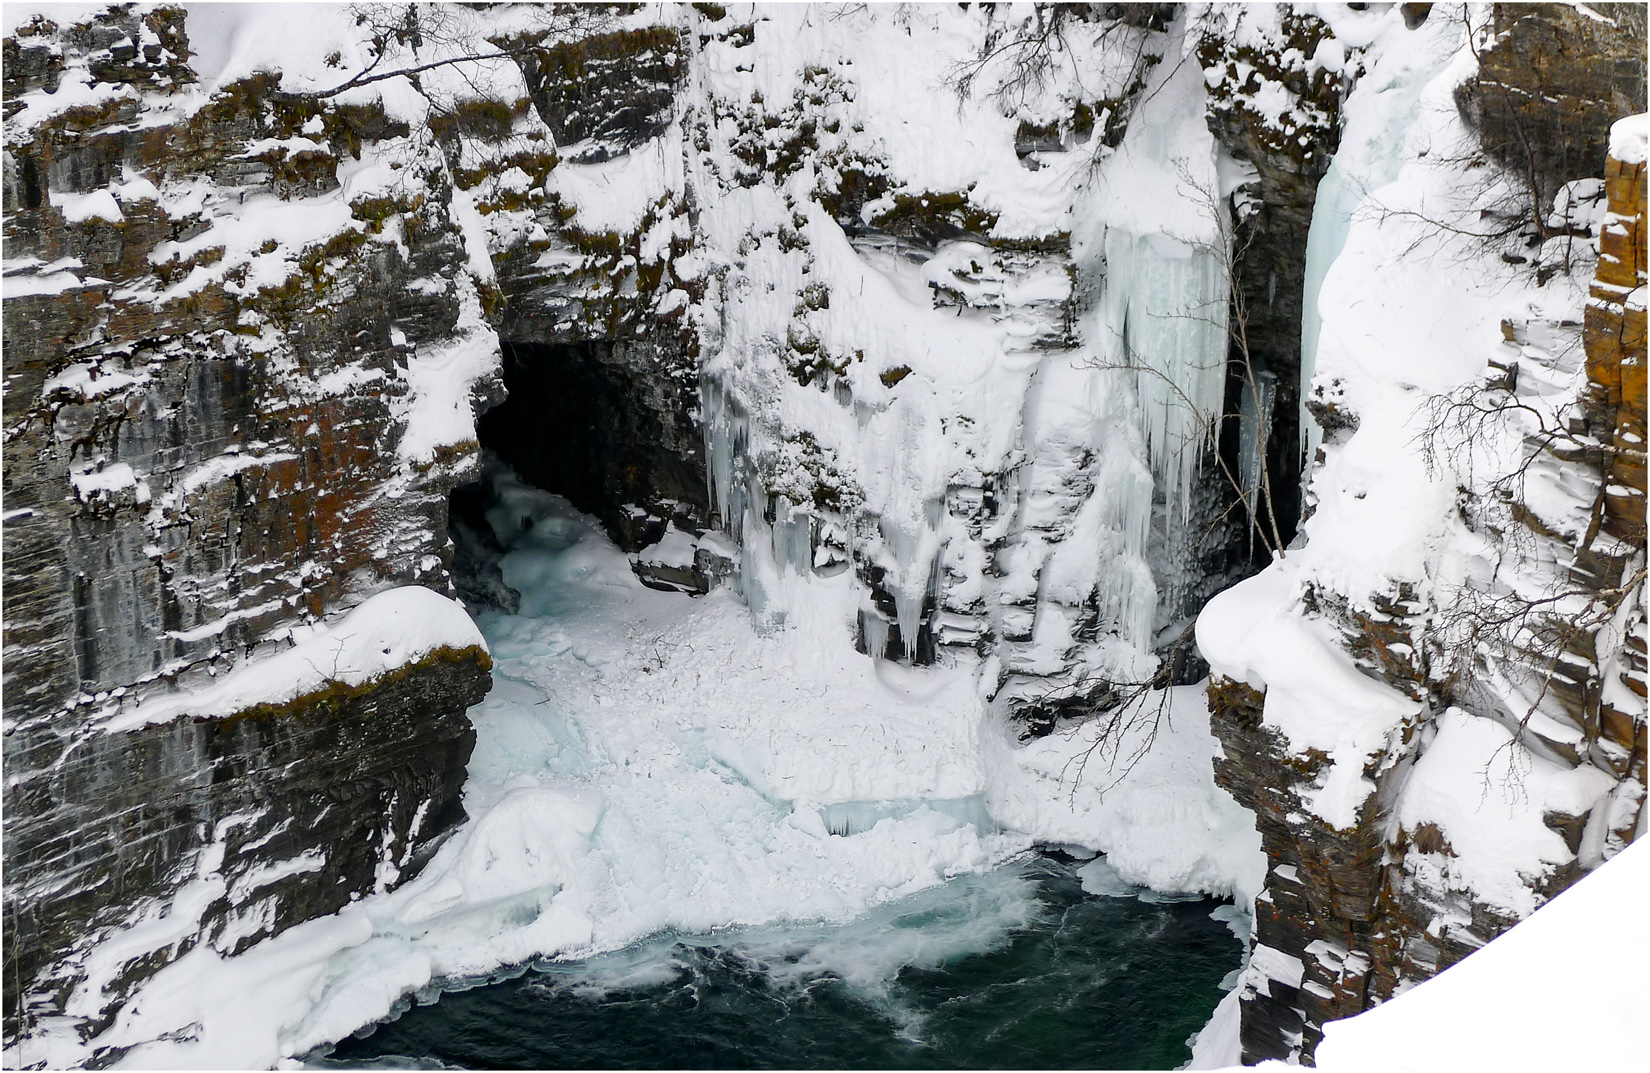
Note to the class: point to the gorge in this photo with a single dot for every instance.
(507, 488)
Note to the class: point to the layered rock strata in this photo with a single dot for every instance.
(1543, 674)
(241, 346)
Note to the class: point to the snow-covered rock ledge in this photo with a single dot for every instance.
(388, 633)
(210, 818)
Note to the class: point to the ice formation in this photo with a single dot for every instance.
(958, 404)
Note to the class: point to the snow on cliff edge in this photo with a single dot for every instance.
(1565, 989)
(388, 631)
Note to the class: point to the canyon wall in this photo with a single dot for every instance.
(1446, 736)
(910, 325)
(229, 334)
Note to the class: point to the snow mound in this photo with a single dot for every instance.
(1628, 138)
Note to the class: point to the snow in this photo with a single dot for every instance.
(1150, 805)
(1564, 989)
(438, 410)
(22, 285)
(1217, 1045)
(387, 631)
(89, 483)
(1494, 822)
(648, 762)
(1386, 531)
(85, 381)
(1628, 138)
(1255, 632)
(645, 762)
(81, 208)
(615, 194)
(676, 548)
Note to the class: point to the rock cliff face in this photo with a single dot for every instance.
(1522, 684)
(223, 345)
(941, 374)
(1276, 77)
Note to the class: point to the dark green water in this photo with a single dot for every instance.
(1017, 969)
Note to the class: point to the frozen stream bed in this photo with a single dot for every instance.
(666, 801)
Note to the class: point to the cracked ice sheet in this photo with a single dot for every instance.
(646, 761)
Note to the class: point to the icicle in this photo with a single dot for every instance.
(792, 538)
(1331, 220)
(1254, 432)
(1125, 591)
(912, 575)
(875, 629)
(1166, 305)
(726, 438)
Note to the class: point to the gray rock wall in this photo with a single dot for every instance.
(191, 470)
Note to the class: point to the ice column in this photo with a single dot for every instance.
(1331, 219)
(727, 435)
(1165, 304)
(908, 496)
(1254, 432)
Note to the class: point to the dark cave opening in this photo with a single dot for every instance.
(1281, 456)
(604, 424)
(601, 424)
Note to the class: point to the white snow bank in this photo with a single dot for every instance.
(387, 631)
(1219, 1045)
(438, 411)
(1488, 796)
(97, 205)
(1256, 632)
(1162, 822)
(1628, 138)
(1565, 989)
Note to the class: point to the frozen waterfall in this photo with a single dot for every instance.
(1165, 306)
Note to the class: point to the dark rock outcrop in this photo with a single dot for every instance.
(596, 423)
(206, 446)
(1550, 80)
(605, 94)
(241, 826)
